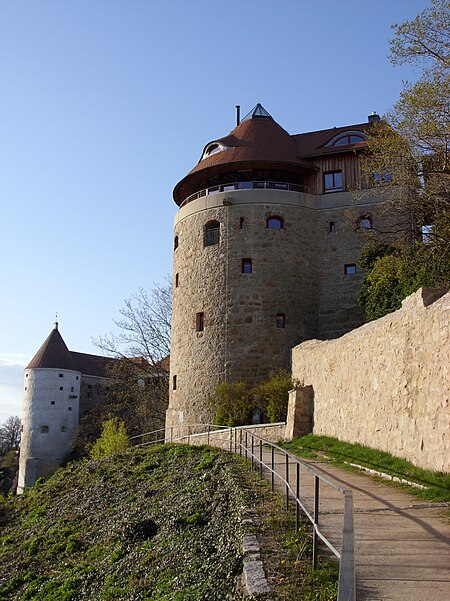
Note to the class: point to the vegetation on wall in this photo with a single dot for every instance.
(409, 159)
(234, 403)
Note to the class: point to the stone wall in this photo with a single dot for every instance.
(387, 384)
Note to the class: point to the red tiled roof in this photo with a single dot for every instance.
(314, 143)
(261, 142)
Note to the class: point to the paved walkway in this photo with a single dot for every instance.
(402, 544)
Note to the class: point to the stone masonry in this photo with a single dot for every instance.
(386, 384)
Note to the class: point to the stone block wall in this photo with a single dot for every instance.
(386, 384)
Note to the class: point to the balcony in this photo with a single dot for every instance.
(252, 185)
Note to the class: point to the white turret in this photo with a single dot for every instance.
(50, 410)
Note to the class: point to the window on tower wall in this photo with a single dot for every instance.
(175, 243)
(281, 320)
(200, 322)
(44, 429)
(211, 234)
(274, 222)
(247, 266)
(350, 269)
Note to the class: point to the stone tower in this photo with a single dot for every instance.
(263, 255)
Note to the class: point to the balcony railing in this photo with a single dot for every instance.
(259, 185)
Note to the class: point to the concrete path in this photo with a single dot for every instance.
(402, 545)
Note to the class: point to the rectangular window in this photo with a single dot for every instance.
(61, 387)
(241, 223)
(200, 322)
(71, 389)
(60, 375)
(44, 429)
(350, 269)
(332, 227)
(174, 383)
(281, 320)
(69, 408)
(63, 428)
(52, 402)
(247, 266)
(333, 181)
(176, 280)
(76, 378)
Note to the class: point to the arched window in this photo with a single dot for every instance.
(211, 233)
(274, 222)
(365, 222)
(348, 139)
(175, 243)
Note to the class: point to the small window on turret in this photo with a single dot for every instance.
(44, 429)
(25, 387)
(211, 233)
(52, 402)
(69, 408)
(76, 378)
(274, 222)
(60, 375)
(61, 387)
(175, 243)
(63, 428)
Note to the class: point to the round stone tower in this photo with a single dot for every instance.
(245, 283)
(50, 410)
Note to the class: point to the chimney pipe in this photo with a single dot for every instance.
(238, 114)
(373, 118)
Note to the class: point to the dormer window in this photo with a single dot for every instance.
(213, 148)
(346, 138)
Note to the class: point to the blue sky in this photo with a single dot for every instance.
(106, 104)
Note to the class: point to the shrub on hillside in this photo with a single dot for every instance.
(112, 441)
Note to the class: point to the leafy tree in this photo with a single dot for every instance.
(10, 434)
(412, 146)
(112, 441)
(137, 391)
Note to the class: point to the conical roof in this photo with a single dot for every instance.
(53, 354)
(257, 142)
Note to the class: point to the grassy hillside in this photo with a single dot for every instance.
(161, 523)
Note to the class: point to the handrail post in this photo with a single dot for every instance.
(231, 439)
(253, 449)
(260, 458)
(287, 481)
(240, 442)
(297, 496)
(246, 443)
(189, 435)
(171, 433)
(209, 428)
(272, 479)
(316, 520)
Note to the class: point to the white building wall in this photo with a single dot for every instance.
(50, 419)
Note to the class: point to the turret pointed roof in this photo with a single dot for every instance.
(53, 353)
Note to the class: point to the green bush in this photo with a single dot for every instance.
(112, 441)
(233, 404)
(274, 395)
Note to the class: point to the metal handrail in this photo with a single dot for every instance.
(250, 185)
(240, 444)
